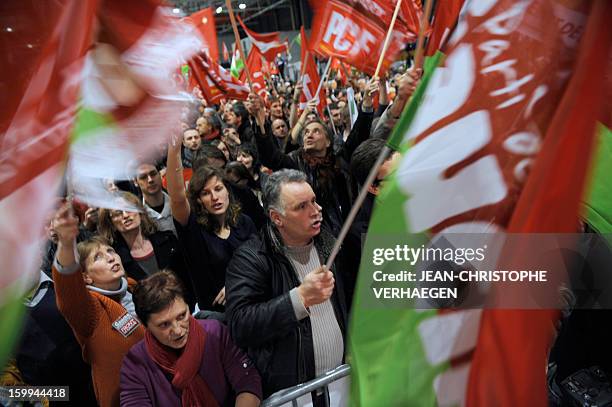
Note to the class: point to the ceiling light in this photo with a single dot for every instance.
(219, 10)
(30, 46)
(176, 10)
(241, 6)
(9, 29)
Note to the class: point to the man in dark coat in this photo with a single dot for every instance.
(283, 305)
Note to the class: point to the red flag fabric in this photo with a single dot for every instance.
(549, 203)
(340, 68)
(216, 82)
(52, 63)
(269, 44)
(226, 56)
(35, 123)
(356, 37)
(445, 18)
(525, 138)
(310, 77)
(255, 64)
(204, 21)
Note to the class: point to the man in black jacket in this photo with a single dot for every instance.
(283, 305)
(327, 171)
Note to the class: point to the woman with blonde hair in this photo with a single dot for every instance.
(143, 249)
(92, 294)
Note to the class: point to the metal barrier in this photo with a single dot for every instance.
(291, 394)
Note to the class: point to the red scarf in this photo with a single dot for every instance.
(212, 135)
(184, 367)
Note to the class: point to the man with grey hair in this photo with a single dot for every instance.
(283, 305)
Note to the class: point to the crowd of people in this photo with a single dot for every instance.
(212, 290)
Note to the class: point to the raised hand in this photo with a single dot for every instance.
(370, 90)
(317, 287)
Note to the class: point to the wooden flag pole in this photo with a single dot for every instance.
(323, 78)
(418, 55)
(387, 39)
(228, 4)
(382, 157)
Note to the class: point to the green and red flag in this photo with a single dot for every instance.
(112, 72)
(498, 144)
(40, 105)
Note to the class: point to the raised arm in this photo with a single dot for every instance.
(269, 153)
(73, 299)
(297, 128)
(406, 87)
(295, 103)
(176, 186)
(363, 125)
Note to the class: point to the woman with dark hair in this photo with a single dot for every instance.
(210, 225)
(236, 172)
(181, 361)
(247, 155)
(92, 294)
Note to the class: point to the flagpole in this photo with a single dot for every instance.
(382, 157)
(388, 38)
(323, 78)
(228, 4)
(418, 55)
(331, 119)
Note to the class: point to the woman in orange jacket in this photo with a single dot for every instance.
(92, 294)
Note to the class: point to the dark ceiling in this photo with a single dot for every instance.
(259, 15)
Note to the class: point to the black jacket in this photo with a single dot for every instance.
(334, 195)
(261, 316)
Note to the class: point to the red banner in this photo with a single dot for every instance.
(255, 64)
(310, 77)
(215, 82)
(269, 44)
(344, 32)
(204, 20)
(408, 19)
(505, 123)
(445, 19)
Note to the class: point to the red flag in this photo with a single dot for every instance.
(310, 77)
(204, 20)
(445, 18)
(226, 56)
(216, 82)
(408, 18)
(357, 38)
(502, 370)
(255, 64)
(269, 44)
(40, 108)
(521, 142)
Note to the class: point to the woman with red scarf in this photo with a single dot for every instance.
(183, 361)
